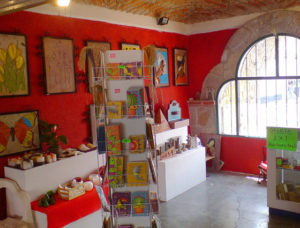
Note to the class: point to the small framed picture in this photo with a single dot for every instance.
(19, 132)
(13, 65)
(129, 47)
(161, 68)
(59, 65)
(180, 67)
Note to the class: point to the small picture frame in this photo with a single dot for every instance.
(59, 69)
(13, 65)
(19, 132)
(94, 61)
(130, 47)
(161, 78)
(180, 67)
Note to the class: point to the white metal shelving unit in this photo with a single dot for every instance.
(122, 71)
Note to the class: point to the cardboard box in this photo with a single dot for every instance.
(179, 123)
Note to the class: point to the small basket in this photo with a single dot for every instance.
(67, 192)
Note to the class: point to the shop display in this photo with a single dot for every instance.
(126, 139)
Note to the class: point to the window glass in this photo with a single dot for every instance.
(264, 97)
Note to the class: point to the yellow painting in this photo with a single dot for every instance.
(137, 173)
(13, 65)
(130, 47)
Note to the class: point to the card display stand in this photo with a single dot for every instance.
(121, 110)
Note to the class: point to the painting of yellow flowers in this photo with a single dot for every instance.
(13, 65)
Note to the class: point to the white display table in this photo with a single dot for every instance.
(178, 174)
(39, 180)
(182, 172)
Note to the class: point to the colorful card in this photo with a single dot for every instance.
(137, 173)
(115, 109)
(135, 102)
(115, 171)
(140, 203)
(121, 203)
(112, 71)
(137, 144)
(132, 70)
(113, 142)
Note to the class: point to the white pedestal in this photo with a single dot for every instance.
(178, 174)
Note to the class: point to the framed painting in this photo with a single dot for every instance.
(59, 66)
(19, 132)
(94, 60)
(161, 78)
(129, 47)
(180, 67)
(13, 65)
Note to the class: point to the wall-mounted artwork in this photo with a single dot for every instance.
(59, 65)
(13, 65)
(95, 60)
(180, 67)
(161, 68)
(129, 47)
(19, 132)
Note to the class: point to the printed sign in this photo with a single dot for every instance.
(282, 138)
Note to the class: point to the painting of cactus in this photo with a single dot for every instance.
(13, 65)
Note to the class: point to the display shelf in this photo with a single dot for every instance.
(283, 183)
(122, 111)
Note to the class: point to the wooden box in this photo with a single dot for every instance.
(179, 123)
(67, 192)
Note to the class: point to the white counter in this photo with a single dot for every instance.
(178, 174)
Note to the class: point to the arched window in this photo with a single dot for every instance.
(265, 91)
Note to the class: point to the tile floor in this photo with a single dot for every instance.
(224, 200)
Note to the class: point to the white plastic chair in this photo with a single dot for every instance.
(27, 220)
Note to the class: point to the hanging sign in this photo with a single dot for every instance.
(282, 138)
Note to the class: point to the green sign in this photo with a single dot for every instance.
(121, 66)
(282, 138)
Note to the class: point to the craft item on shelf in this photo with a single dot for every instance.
(88, 185)
(131, 70)
(140, 203)
(174, 111)
(38, 159)
(95, 178)
(137, 173)
(152, 167)
(135, 102)
(192, 142)
(47, 199)
(115, 171)
(137, 144)
(83, 148)
(161, 123)
(69, 192)
(154, 202)
(69, 152)
(113, 140)
(121, 203)
(91, 146)
(168, 153)
(15, 162)
(50, 157)
(26, 164)
(179, 123)
(112, 71)
(115, 109)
